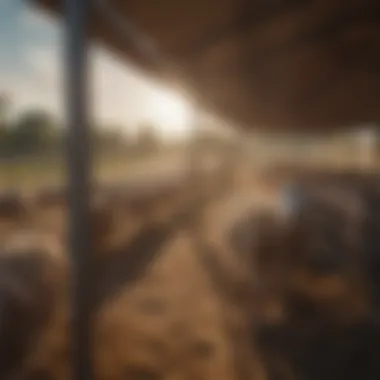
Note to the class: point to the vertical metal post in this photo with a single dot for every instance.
(78, 162)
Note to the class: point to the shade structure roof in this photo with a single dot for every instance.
(288, 65)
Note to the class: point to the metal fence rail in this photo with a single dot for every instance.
(79, 164)
(79, 167)
(79, 174)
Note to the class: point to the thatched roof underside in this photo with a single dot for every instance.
(275, 64)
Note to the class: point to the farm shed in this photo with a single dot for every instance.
(296, 65)
(273, 64)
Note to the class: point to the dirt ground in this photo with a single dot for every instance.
(170, 323)
(174, 297)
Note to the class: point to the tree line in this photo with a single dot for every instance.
(37, 132)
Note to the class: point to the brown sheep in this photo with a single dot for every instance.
(144, 327)
(316, 268)
(31, 274)
(12, 206)
(262, 302)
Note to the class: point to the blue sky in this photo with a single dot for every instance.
(31, 73)
(19, 32)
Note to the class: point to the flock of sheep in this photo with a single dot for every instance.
(200, 280)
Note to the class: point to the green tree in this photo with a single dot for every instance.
(4, 110)
(5, 124)
(108, 139)
(34, 132)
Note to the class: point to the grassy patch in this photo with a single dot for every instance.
(31, 173)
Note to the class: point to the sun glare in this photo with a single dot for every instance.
(170, 113)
